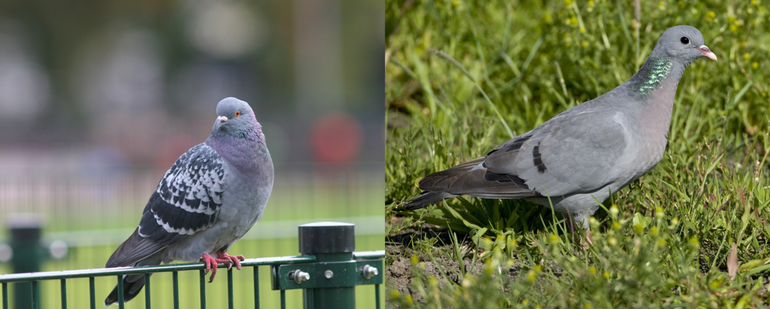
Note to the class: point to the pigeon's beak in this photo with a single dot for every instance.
(222, 119)
(707, 52)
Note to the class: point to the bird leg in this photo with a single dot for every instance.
(571, 227)
(211, 262)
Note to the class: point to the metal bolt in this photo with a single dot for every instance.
(298, 276)
(328, 274)
(369, 271)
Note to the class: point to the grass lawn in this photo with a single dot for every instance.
(464, 76)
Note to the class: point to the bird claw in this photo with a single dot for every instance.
(231, 259)
(212, 263)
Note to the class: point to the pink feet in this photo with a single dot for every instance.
(588, 237)
(211, 262)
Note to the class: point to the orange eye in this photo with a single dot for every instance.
(237, 113)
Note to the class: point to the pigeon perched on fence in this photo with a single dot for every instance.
(588, 151)
(209, 198)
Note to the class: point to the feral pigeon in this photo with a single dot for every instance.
(209, 198)
(587, 152)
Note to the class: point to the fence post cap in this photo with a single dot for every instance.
(25, 226)
(24, 220)
(327, 237)
(325, 224)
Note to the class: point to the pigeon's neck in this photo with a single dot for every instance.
(245, 151)
(658, 76)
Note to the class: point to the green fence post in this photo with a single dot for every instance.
(329, 242)
(25, 245)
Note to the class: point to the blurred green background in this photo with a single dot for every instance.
(99, 98)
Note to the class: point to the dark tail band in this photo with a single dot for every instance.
(426, 199)
(132, 285)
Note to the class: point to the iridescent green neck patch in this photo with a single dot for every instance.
(657, 71)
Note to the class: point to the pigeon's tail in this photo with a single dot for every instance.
(469, 178)
(132, 285)
(426, 199)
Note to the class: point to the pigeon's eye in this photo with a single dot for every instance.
(237, 113)
(685, 40)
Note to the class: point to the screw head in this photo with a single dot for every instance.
(368, 271)
(298, 276)
(328, 274)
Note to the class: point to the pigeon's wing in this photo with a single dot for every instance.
(577, 153)
(472, 178)
(188, 200)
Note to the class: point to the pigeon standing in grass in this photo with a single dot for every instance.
(587, 152)
(209, 198)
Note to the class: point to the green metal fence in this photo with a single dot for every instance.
(327, 272)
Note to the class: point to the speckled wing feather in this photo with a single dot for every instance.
(186, 201)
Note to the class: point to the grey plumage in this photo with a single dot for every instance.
(587, 152)
(209, 198)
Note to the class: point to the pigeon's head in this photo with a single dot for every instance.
(683, 43)
(235, 118)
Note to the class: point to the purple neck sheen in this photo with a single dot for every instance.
(243, 149)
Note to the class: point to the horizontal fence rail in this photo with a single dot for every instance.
(101, 272)
(327, 276)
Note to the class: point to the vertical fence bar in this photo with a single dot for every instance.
(329, 242)
(230, 288)
(5, 295)
(92, 291)
(377, 295)
(121, 297)
(147, 289)
(175, 276)
(283, 299)
(202, 280)
(35, 294)
(256, 287)
(63, 293)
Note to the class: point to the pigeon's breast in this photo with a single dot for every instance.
(244, 200)
(648, 143)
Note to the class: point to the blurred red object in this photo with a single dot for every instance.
(336, 138)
